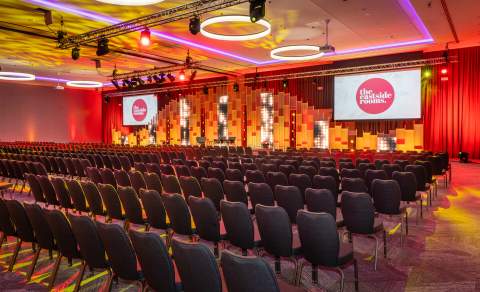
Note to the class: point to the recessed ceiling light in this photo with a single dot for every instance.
(84, 84)
(16, 76)
(234, 18)
(131, 2)
(275, 53)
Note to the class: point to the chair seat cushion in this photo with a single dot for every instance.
(345, 253)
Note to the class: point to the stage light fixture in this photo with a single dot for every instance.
(285, 83)
(102, 47)
(162, 77)
(149, 79)
(115, 83)
(75, 53)
(124, 83)
(194, 25)
(257, 10)
(193, 75)
(236, 87)
(205, 90)
(181, 76)
(145, 37)
(444, 71)
(427, 74)
(171, 77)
(463, 156)
(140, 81)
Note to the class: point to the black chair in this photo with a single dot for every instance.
(190, 187)
(235, 191)
(94, 199)
(350, 173)
(372, 174)
(48, 190)
(125, 162)
(234, 174)
(132, 206)
(182, 170)
(391, 168)
(122, 178)
(121, 254)
(61, 192)
(361, 160)
(217, 173)
(6, 226)
(212, 189)
(359, 219)
(116, 163)
(140, 166)
(108, 177)
(36, 188)
(287, 169)
(171, 184)
(308, 170)
(260, 193)
(255, 176)
(154, 167)
(23, 228)
(387, 197)
(291, 199)
(112, 202)
(380, 162)
(198, 172)
(75, 191)
(90, 245)
(157, 266)
(330, 171)
(137, 180)
(206, 220)
(219, 164)
(153, 182)
(362, 167)
(326, 182)
(300, 180)
(408, 185)
(276, 178)
(94, 175)
(322, 200)
(346, 165)
(179, 215)
(268, 167)
(238, 225)
(276, 234)
(421, 176)
(197, 267)
(251, 274)
(356, 185)
(72, 171)
(154, 209)
(64, 238)
(322, 247)
(403, 163)
(79, 169)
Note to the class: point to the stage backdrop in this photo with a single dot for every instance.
(42, 113)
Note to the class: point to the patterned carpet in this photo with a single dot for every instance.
(441, 253)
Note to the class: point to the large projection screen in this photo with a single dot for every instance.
(378, 96)
(139, 110)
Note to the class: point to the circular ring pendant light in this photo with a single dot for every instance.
(131, 2)
(276, 53)
(16, 76)
(234, 18)
(84, 84)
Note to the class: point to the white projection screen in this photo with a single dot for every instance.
(139, 110)
(378, 96)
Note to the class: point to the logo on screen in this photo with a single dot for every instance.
(139, 110)
(375, 95)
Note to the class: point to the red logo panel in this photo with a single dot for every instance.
(375, 96)
(139, 110)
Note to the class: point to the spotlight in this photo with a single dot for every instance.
(444, 71)
(125, 82)
(75, 53)
(106, 99)
(427, 74)
(162, 77)
(145, 37)
(194, 25)
(140, 81)
(102, 47)
(257, 10)
(133, 83)
(193, 75)
(285, 83)
(181, 76)
(115, 83)
(463, 156)
(236, 88)
(171, 77)
(205, 90)
(150, 79)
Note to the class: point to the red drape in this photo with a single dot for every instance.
(452, 107)
(112, 112)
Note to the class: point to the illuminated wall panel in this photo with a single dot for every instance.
(266, 112)
(222, 112)
(184, 108)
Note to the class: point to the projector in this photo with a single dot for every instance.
(59, 87)
(327, 48)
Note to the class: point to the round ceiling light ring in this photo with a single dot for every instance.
(234, 18)
(275, 53)
(84, 84)
(16, 76)
(131, 2)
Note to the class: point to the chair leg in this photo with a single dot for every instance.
(109, 281)
(15, 255)
(355, 271)
(34, 263)
(376, 252)
(278, 267)
(55, 271)
(80, 277)
(406, 223)
(342, 279)
(2, 239)
(314, 275)
(385, 244)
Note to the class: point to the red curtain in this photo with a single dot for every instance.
(112, 112)
(452, 107)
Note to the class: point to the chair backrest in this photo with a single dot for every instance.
(428, 168)
(170, 184)
(260, 193)
(319, 238)
(330, 171)
(214, 172)
(61, 191)
(131, 205)
(140, 166)
(290, 199)
(154, 167)
(94, 175)
(234, 174)
(20, 220)
(326, 182)
(153, 182)
(390, 168)
(350, 173)
(47, 189)
(356, 185)
(198, 172)
(190, 187)
(255, 176)
(78, 167)
(268, 167)
(238, 224)
(212, 189)
(346, 165)
(137, 180)
(89, 242)
(235, 191)
(6, 224)
(182, 170)
(358, 212)
(386, 196)
(35, 188)
(300, 180)
(77, 195)
(247, 273)
(41, 229)
(111, 200)
(402, 163)
(380, 162)
(276, 178)
(308, 170)
(125, 162)
(408, 185)
(287, 169)
(275, 230)
(197, 267)
(364, 166)
(62, 232)
(70, 166)
(205, 217)
(122, 178)
(94, 199)
(179, 214)
(116, 164)
(157, 266)
(154, 209)
(372, 174)
(321, 200)
(108, 177)
(420, 175)
(120, 252)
